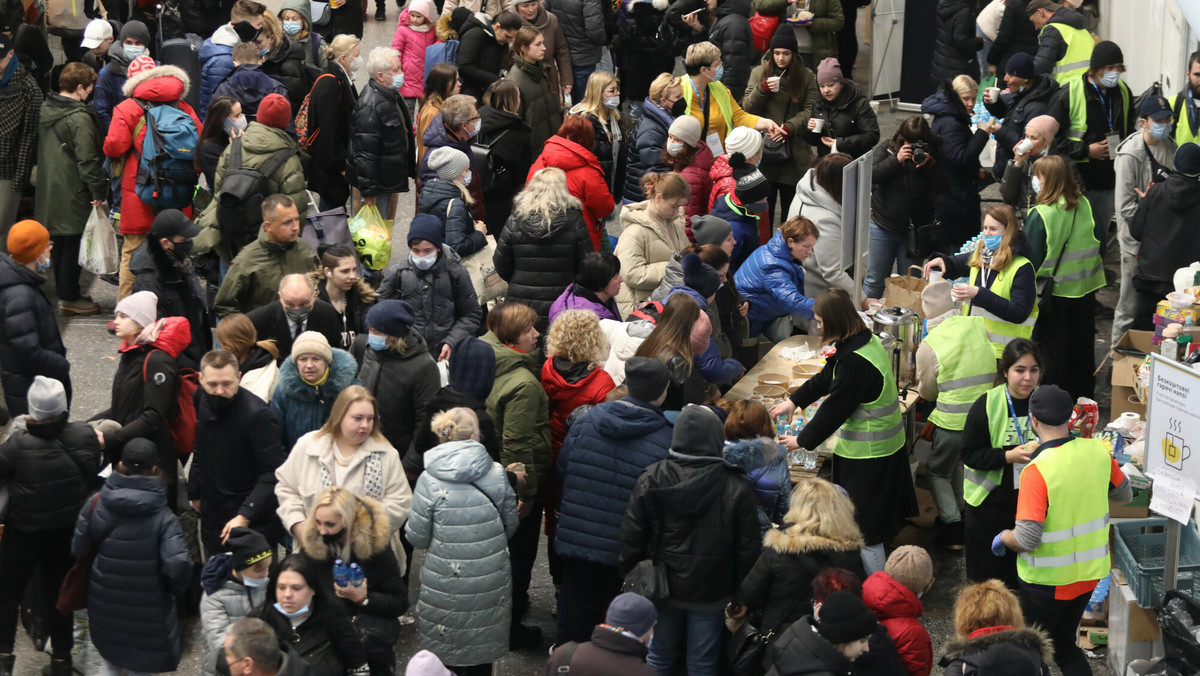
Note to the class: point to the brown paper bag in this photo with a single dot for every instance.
(905, 291)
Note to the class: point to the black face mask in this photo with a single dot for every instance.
(679, 108)
(332, 538)
(182, 249)
(217, 403)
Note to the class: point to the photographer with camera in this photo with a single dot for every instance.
(908, 178)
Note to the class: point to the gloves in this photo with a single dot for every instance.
(998, 548)
(765, 86)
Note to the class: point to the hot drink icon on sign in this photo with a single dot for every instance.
(1175, 451)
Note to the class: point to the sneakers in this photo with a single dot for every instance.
(524, 637)
(381, 14)
(78, 307)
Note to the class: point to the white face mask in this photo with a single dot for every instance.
(467, 178)
(423, 262)
(613, 102)
(674, 147)
(356, 63)
(254, 582)
(1035, 184)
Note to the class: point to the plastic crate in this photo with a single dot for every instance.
(1139, 547)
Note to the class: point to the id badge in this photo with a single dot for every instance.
(714, 144)
(1017, 468)
(1114, 140)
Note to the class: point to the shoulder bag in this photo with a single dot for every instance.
(649, 577)
(1045, 286)
(72, 595)
(746, 649)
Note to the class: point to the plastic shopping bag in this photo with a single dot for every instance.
(372, 238)
(98, 252)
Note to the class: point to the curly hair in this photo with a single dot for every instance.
(819, 508)
(575, 335)
(546, 195)
(987, 604)
(456, 424)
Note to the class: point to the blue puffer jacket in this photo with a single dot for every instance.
(109, 86)
(745, 229)
(600, 461)
(773, 282)
(765, 466)
(141, 563)
(302, 408)
(645, 153)
(709, 363)
(445, 200)
(216, 63)
(249, 85)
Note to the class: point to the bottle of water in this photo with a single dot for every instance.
(341, 573)
(356, 575)
(810, 459)
(781, 425)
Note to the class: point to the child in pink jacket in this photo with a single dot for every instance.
(414, 32)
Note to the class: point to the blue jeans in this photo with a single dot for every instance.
(579, 86)
(982, 54)
(886, 249)
(699, 631)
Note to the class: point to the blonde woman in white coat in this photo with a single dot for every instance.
(819, 199)
(652, 233)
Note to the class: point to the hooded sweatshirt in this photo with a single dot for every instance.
(311, 43)
(112, 76)
(1165, 226)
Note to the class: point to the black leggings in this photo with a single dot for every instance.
(21, 553)
(1066, 332)
(784, 193)
(1059, 619)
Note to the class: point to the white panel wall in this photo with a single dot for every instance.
(1155, 37)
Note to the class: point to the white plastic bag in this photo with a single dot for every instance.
(98, 252)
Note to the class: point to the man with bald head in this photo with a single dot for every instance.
(254, 276)
(296, 310)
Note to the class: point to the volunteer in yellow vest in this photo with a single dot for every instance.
(1064, 45)
(955, 366)
(993, 454)
(1061, 533)
(862, 412)
(1001, 288)
(1064, 245)
(710, 102)
(1186, 104)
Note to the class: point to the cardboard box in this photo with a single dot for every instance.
(1132, 631)
(1138, 507)
(1124, 373)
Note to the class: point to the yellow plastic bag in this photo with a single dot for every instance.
(372, 237)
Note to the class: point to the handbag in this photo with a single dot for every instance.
(649, 577)
(746, 649)
(775, 152)
(923, 240)
(1045, 286)
(904, 290)
(488, 283)
(325, 227)
(72, 595)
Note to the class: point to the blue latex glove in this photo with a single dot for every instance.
(998, 548)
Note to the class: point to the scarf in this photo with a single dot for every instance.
(10, 72)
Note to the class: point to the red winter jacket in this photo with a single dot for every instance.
(697, 176)
(897, 608)
(164, 84)
(566, 396)
(723, 183)
(585, 180)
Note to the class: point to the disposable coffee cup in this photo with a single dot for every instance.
(1024, 147)
(991, 94)
(874, 107)
(773, 83)
(818, 125)
(958, 290)
(935, 276)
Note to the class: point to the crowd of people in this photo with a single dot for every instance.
(655, 226)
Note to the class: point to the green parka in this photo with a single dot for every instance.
(540, 107)
(828, 19)
(253, 278)
(790, 107)
(70, 171)
(521, 410)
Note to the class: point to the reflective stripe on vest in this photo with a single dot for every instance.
(716, 92)
(1080, 270)
(978, 483)
(1074, 545)
(1077, 58)
(1183, 129)
(999, 331)
(966, 368)
(1077, 108)
(875, 429)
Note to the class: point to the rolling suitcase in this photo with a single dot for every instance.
(182, 53)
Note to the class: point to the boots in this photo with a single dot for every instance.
(58, 667)
(6, 664)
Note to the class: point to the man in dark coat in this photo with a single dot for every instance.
(383, 152)
(697, 515)
(1027, 96)
(248, 84)
(482, 49)
(956, 45)
(1015, 35)
(298, 310)
(161, 265)
(30, 343)
(601, 459)
(232, 479)
(472, 367)
(618, 645)
(1165, 226)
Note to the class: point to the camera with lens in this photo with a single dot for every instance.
(920, 152)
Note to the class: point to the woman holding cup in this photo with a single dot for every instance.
(782, 89)
(842, 119)
(1001, 280)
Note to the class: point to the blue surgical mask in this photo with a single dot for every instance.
(378, 343)
(1036, 184)
(1110, 78)
(263, 51)
(254, 582)
(423, 262)
(292, 27)
(397, 81)
(1160, 130)
(720, 73)
(43, 265)
(298, 613)
(992, 241)
(612, 102)
(133, 51)
(467, 178)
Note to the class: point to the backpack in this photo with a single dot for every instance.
(182, 421)
(650, 312)
(491, 169)
(166, 174)
(303, 133)
(239, 204)
(763, 28)
(441, 52)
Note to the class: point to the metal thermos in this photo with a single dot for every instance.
(899, 329)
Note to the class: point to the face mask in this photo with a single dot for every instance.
(255, 582)
(397, 81)
(298, 613)
(1110, 78)
(216, 402)
(475, 130)
(720, 73)
(43, 265)
(182, 249)
(379, 344)
(292, 27)
(674, 148)
(423, 262)
(263, 51)
(992, 241)
(297, 314)
(133, 51)
(613, 102)
(1160, 130)
(1035, 184)
(356, 63)
(678, 108)
(332, 538)
(240, 124)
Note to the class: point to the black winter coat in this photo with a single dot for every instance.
(1165, 224)
(514, 153)
(286, 64)
(402, 382)
(233, 467)
(541, 107)
(538, 262)
(1024, 651)
(956, 45)
(445, 201)
(602, 148)
(1016, 34)
(50, 469)
(958, 206)
(848, 119)
(1096, 174)
(645, 147)
(904, 194)
(583, 25)
(640, 54)
(209, 154)
(331, 109)
(801, 650)
(443, 299)
(1017, 111)
(354, 316)
(326, 639)
(731, 32)
(30, 344)
(480, 57)
(383, 151)
(424, 439)
(699, 516)
(180, 294)
(141, 564)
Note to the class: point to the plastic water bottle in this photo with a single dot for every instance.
(341, 573)
(356, 575)
(781, 425)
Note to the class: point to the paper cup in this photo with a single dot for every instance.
(874, 107)
(773, 83)
(818, 125)
(992, 94)
(935, 276)
(1024, 147)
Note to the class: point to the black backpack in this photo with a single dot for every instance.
(490, 167)
(239, 204)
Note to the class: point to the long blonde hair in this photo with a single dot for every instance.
(349, 396)
(593, 96)
(1012, 232)
(545, 195)
(457, 424)
(819, 508)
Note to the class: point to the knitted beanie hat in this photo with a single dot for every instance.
(448, 163)
(911, 566)
(312, 342)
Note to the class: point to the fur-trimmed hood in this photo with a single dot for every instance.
(789, 540)
(444, 30)
(161, 84)
(977, 649)
(341, 376)
(369, 535)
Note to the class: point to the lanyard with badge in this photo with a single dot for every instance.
(1113, 138)
(1012, 410)
(713, 140)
